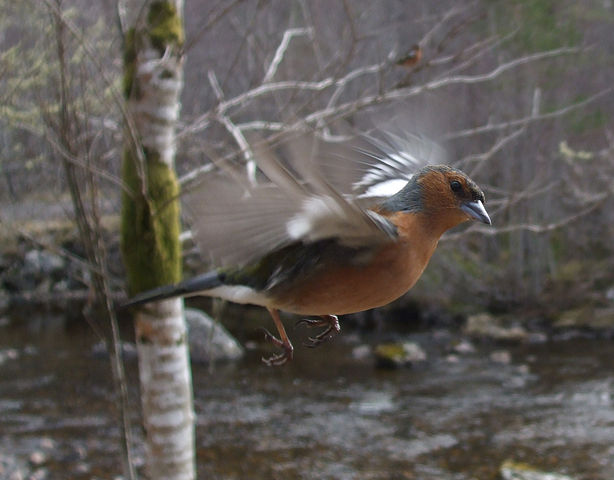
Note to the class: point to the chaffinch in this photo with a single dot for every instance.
(411, 58)
(334, 229)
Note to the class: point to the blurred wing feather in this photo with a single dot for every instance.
(376, 166)
(234, 225)
(315, 191)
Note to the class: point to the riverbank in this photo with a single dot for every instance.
(42, 266)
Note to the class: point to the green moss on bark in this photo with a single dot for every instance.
(129, 62)
(150, 225)
(165, 28)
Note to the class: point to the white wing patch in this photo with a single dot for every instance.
(318, 215)
(386, 188)
(389, 165)
(323, 217)
(391, 162)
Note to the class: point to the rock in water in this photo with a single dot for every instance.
(511, 470)
(209, 341)
(395, 355)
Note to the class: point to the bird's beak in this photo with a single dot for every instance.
(476, 211)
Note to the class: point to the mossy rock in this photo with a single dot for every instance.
(586, 317)
(500, 328)
(512, 470)
(395, 355)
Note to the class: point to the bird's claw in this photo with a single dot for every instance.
(281, 358)
(331, 322)
(278, 360)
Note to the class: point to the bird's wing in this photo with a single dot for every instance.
(232, 224)
(375, 166)
(312, 191)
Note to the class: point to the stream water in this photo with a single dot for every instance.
(328, 415)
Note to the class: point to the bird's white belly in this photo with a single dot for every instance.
(238, 294)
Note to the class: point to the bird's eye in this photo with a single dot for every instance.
(456, 186)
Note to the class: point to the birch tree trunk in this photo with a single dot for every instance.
(153, 77)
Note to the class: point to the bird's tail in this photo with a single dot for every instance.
(192, 286)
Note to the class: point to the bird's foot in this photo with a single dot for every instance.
(331, 322)
(280, 358)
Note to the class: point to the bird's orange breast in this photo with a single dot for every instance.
(339, 289)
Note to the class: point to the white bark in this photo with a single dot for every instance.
(156, 111)
(164, 367)
(166, 392)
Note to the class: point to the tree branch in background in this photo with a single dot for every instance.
(281, 50)
(236, 132)
(90, 232)
(529, 119)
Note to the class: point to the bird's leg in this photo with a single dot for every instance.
(331, 322)
(283, 341)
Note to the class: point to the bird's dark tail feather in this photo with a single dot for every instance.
(193, 285)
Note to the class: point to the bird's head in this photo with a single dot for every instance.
(445, 195)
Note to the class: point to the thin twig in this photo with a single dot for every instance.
(281, 50)
(109, 83)
(213, 19)
(530, 227)
(528, 119)
(236, 132)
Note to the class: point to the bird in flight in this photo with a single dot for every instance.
(329, 229)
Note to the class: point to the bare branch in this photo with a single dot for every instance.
(261, 125)
(498, 145)
(343, 81)
(236, 132)
(402, 93)
(512, 198)
(365, 101)
(317, 49)
(109, 83)
(526, 120)
(120, 16)
(281, 50)
(450, 14)
(213, 19)
(203, 121)
(480, 48)
(66, 155)
(193, 175)
(529, 227)
(504, 67)
(215, 85)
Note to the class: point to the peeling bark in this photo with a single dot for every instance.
(153, 78)
(166, 391)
